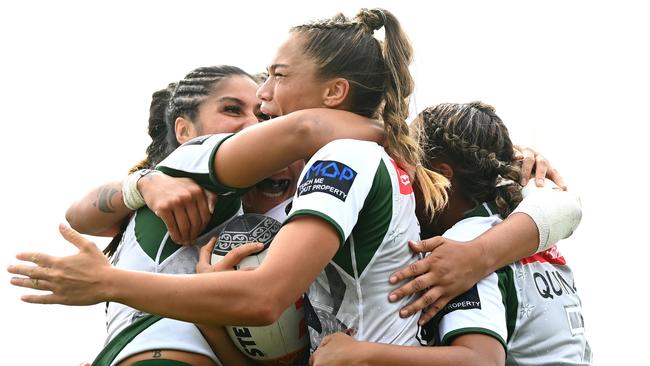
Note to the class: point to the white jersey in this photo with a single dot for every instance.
(530, 306)
(360, 191)
(146, 246)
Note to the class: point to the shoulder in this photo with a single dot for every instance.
(471, 227)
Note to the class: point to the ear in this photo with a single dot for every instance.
(184, 129)
(443, 168)
(336, 92)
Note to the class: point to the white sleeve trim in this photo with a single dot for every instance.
(556, 213)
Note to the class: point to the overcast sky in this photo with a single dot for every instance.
(569, 78)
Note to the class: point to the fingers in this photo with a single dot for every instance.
(74, 237)
(555, 176)
(183, 222)
(211, 200)
(33, 283)
(541, 167)
(42, 299)
(426, 245)
(429, 298)
(236, 255)
(40, 259)
(412, 270)
(168, 218)
(416, 285)
(30, 271)
(432, 310)
(527, 165)
(205, 254)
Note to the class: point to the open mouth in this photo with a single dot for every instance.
(273, 188)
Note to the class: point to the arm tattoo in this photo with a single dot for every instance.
(104, 197)
(156, 354)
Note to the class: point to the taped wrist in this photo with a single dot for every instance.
(132, 197)
(556, 213)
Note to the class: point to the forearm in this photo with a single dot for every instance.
(223, 346)
(513, 239)
(544, 217)
(284, 140)
(236, 297)
(379, 354)
(99, 212)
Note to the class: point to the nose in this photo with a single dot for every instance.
(264, 92)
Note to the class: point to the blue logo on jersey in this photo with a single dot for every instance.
(327, 176)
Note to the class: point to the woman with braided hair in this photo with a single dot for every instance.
(208, 100)
(526, 313)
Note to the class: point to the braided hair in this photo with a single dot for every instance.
(475, 141)
(177, 99)
(190, 92)
(380, 82)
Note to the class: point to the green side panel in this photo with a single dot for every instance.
(149, 231)
(509, 296)
(446, 341)
(374, 219)
(115, 346)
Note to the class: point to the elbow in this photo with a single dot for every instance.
(266, 311)
(73, 219)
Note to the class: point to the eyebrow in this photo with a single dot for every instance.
(273, 67)
(232, 100)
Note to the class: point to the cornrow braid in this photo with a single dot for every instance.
(193, 90)
(476, 142)
(380, 82)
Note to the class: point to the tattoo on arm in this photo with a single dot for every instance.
(156, 354)
(104, 197)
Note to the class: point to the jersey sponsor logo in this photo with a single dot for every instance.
(404, 180)
(327, 176)
(466, 301)
(552, 284)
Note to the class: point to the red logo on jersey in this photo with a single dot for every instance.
(405, 186)
(550, 255)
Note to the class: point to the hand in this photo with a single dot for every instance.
(450, 269)
(73, 280)
(336, 349)
(228, 262)
(532, 159)
(183, 205)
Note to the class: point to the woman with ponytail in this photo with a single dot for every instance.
(352, 213)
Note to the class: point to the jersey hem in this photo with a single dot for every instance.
(449, 337)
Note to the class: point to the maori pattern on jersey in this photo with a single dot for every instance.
(244, 229)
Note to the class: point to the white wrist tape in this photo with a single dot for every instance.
(556, 213)
(133, 200)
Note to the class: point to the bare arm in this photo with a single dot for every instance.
(99, 212)
(452, 267)
(273, 145)
(471, 349)
(87, 278)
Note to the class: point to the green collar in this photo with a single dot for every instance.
(485, 209)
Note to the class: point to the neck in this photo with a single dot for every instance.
(456, 208)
